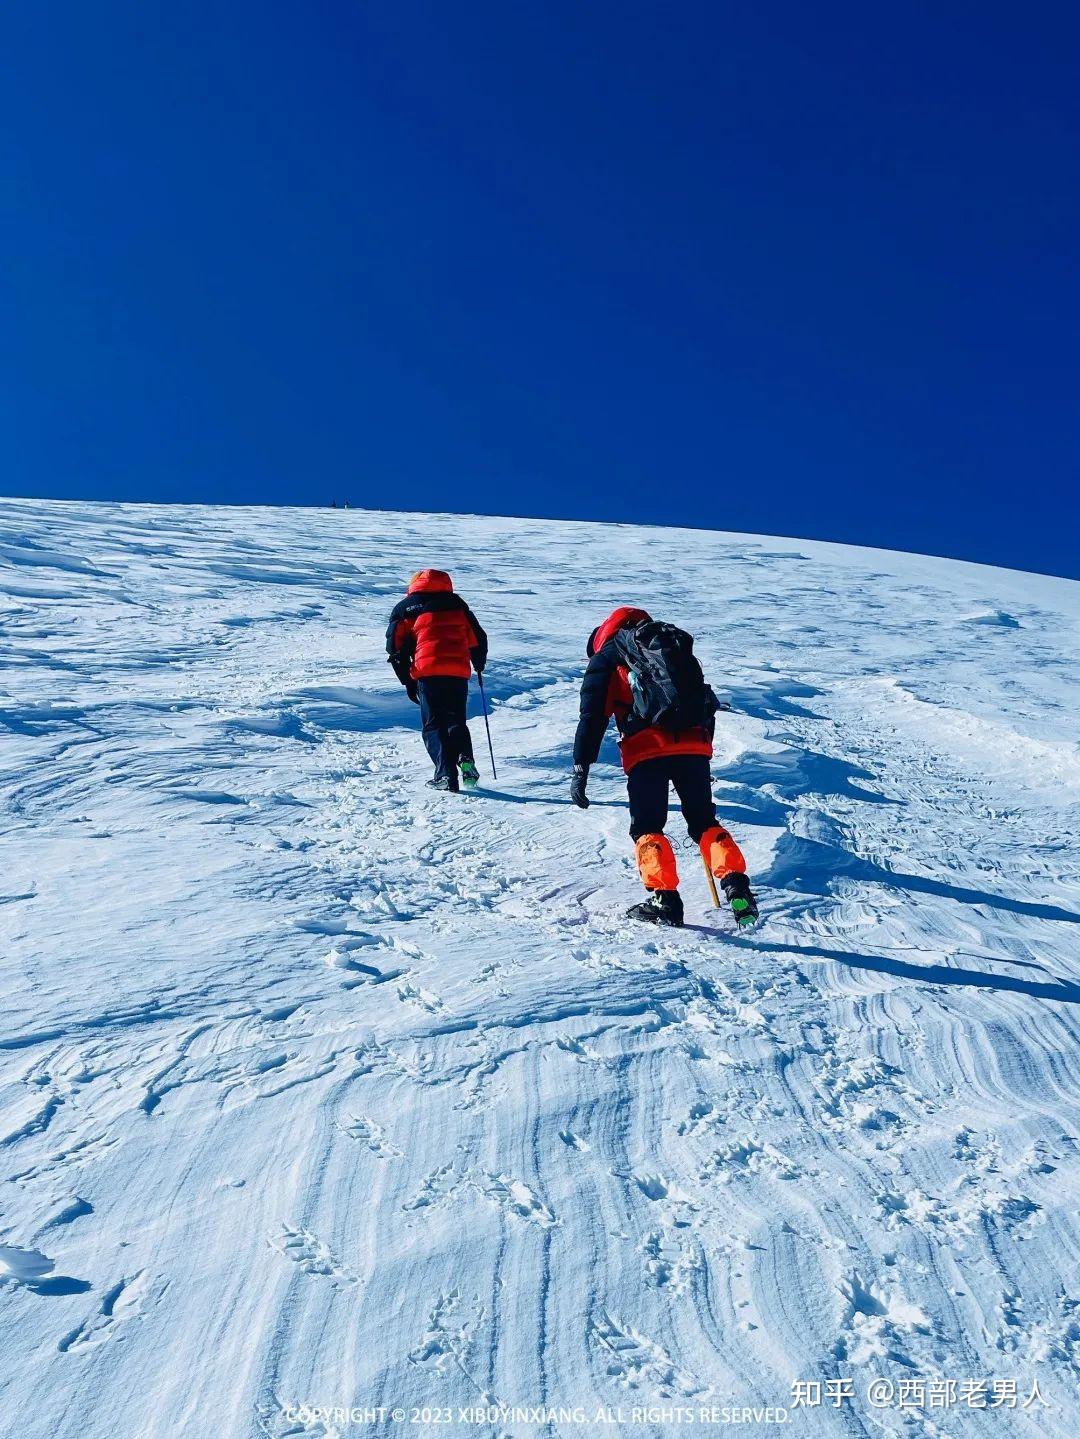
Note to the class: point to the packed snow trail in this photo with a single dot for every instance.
(318, 1088)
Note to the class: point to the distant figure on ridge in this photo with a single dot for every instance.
(646, 675)
(434, 642)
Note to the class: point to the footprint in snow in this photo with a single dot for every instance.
(573, 1141)
(370, 1133)
(669, 1264)
(698, 1117)
(634, 1360)
(309, 1253)
(516, 1198)
(122, 1303)
(410, 993)
(288, 1419)
(876, 1322)
(438, 1188)
(746, 1156)
(651, 1185)
(450, 1336)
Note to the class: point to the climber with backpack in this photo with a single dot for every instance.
(646, 675)
(433, 643)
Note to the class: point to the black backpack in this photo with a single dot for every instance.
(666, 681)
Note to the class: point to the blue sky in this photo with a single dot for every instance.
(808, 270)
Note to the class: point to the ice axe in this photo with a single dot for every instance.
(487, 726)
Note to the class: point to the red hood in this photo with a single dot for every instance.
(426, 580)
(625, 615)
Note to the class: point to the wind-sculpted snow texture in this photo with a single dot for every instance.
(318, 1088)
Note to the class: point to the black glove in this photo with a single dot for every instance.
(577, 786)
(411, 691)
(479, 660)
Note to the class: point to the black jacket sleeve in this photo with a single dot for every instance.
(594, 710)
(479, 651)
(400, 659)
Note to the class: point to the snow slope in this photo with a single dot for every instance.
(318, 1088)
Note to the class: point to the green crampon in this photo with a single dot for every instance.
(470, 775)
(745, 913)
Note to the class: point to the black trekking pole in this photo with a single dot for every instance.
(483, 701)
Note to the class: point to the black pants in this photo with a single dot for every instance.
(442, 714)
(647, 787)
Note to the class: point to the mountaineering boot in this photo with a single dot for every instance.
(444, 781)
(663, 906)
(737, 890)
(470, 775)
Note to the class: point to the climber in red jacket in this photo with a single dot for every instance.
(645, 675)
(434, 642)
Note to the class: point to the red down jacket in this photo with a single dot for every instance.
(432, 631)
